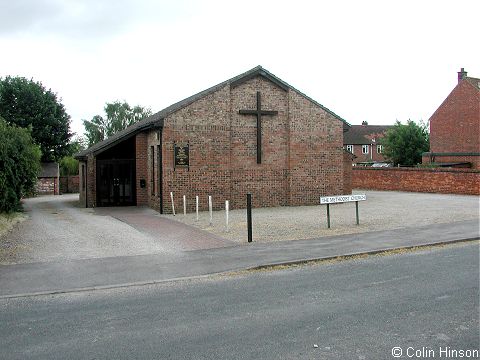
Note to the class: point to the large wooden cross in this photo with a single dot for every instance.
(258, 112)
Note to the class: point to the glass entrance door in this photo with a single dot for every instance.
(115, 182)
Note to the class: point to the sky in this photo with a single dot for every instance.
(375, 61)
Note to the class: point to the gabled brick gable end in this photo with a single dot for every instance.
(302, 154)
(455, 126)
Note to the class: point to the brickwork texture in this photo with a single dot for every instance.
(455, 126)
(302, 156)
(302, 152)
(446, 181)
(69, 184)
(47, 186)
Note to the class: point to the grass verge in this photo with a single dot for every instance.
(8, 221)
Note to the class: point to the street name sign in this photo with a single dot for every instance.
(342, 199)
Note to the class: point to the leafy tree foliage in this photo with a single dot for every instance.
(19, 165)
(27, 103)
(68, 164)
(404, 144)
(118, 116)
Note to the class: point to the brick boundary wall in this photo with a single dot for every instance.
(69, 184)
(445, 181)
(47, 186)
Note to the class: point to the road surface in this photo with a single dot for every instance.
(356, 309)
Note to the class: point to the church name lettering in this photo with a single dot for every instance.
(342, 199)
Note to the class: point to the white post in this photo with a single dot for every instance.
(226, 214)
(173, 204)
(196, 205)
(210, 208)
(184, 205)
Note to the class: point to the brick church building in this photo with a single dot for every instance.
(252, 134)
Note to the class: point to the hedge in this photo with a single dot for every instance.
(19, 165)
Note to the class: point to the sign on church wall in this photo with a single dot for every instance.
(181, 153)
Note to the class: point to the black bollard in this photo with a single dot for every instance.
(249, 217)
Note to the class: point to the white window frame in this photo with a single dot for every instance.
(350, 148)
(365, 150)
(379, 149)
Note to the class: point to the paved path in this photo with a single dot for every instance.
(117, 271)
(171, 234)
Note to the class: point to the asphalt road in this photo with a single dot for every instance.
(357, 309)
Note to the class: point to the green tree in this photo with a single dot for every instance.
(19, 165)
(404, 144)
(118, 116)
(27, 103)
(68, 164)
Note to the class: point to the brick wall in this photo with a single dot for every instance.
(69, 184)
(455, 125)
(447, 181)
(141, 170)
(91, 191)
(47, 186)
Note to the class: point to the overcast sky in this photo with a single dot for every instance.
(377, 61)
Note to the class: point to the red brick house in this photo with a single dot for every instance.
(455, 127)
(252, 134)
(363, 141)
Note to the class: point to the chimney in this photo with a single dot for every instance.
(364, 123)
(462, 74)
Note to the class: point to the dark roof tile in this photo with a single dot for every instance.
(156, 120)
(49, 170)
(359, 134)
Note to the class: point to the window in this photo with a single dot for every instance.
(379, 149)
(365, 149)
(83, 177)
(350, 148)
(152, 169)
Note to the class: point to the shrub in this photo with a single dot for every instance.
(68, 166)
(19, 165)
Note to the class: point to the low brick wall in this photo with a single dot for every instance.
(47, 186)
(69, 184)
(445, 181)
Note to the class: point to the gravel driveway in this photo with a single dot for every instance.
(383, 210)
(57, 229)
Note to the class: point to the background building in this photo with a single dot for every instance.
(455, 126)
(363, 142)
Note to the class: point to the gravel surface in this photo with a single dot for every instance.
(383, 210)
(57, 229)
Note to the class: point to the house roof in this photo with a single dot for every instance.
(156, 120)
(49, 170)
(473, 81)
(361, 134)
